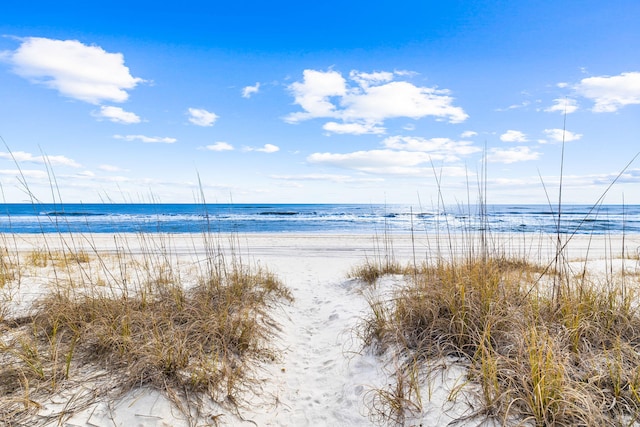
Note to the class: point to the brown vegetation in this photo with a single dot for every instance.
(139, 325)
(534, 357)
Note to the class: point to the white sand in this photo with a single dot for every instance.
(322, 379)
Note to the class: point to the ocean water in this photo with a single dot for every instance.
(314, 218)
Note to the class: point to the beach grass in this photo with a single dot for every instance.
(543, 342)
(107, 323)
(533, 356)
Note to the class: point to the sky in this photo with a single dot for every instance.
(326, 102)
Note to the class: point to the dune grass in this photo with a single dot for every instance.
(372, 270)
(543, 345)
(197, 330)
(533, 357)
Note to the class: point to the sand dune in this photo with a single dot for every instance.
(324, 376)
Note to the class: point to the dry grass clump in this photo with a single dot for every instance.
(43, 257)
(533, 357)
(371, 271)
(195, 343)
(7, 268)
(9, 274)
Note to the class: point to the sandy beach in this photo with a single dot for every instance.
(323, 376)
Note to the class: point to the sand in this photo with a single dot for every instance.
(324, 378)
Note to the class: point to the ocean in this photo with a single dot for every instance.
(314, 218)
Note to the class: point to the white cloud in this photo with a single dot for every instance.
(85, 174)
(401, 155)
(388, 162)
(367, 79)
(512, 155)
(146, 139)
(406, 73)
(24, 157)
(27, 173)
(368, 101)
(513, 136)
(438, 148)
(219, 146)
(326, 177)
(468, 134)
(75, 70)
(354, 128)
(371, 160)
(563, 105)
(523, 104)
(314, 94)
(611, 93)
(247, 91)
(110, 168)
(558, 135)
(400, 99)
(61, 161)
(201, 117)
(630, 176)
(267, 148)
(117, 115)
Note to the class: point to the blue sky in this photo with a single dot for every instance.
(368, 102)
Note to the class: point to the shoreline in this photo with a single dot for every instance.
(403, 246)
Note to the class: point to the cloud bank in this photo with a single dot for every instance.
(402, 155)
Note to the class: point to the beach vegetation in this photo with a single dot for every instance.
(543, 359)
(371, 271)
(543, 343)
(8, 268)
(42, 257)
(197, 336)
